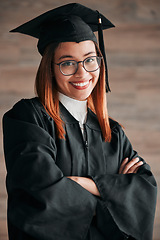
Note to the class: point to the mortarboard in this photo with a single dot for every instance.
(69, 23)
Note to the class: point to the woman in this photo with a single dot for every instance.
(71, 171)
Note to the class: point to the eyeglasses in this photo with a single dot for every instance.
(70, 67)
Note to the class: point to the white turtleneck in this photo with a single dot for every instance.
(78, 109)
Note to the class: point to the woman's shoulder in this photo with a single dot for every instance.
(114, 124)
(22, 108)
(28, 110)
(27, 103)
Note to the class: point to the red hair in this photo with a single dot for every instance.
(45, 86)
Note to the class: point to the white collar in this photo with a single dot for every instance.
(78, 109)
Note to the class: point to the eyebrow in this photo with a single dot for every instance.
(70, 56)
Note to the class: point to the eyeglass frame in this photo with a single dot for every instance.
(99, 57)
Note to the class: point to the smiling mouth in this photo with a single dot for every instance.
(81, 85)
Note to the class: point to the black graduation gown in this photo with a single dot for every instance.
(44, 204)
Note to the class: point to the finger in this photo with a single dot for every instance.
(123, 165)
(135, 168)
(130, 164)
(135, 171)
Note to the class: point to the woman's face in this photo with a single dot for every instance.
(80, 85)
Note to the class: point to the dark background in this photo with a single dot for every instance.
(133, 52)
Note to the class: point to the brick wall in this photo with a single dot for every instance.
(133, 53)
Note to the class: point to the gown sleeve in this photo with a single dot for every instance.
(127, 200)
(43, 204)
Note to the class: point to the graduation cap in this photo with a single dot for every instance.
(69, 23)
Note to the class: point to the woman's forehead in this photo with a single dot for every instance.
(75, 49)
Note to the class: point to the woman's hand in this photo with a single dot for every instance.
(86, 183)
(131, 166)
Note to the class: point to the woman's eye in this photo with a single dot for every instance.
(90, 60)
(67, 63)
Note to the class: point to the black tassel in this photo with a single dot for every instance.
(102, 48)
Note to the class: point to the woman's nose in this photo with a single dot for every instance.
(80, 71)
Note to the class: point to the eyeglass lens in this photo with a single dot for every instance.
(90, 64)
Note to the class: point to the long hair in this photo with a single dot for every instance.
(46, 90)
